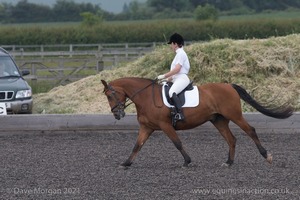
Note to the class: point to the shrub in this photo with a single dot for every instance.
(90, 19)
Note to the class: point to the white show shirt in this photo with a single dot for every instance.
(182, 59)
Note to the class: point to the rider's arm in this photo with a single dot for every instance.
(174, 71)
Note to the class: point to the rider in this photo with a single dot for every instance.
(178, 72)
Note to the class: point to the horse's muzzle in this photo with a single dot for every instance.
(119, 114)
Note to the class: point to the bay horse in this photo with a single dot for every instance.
(220, 103)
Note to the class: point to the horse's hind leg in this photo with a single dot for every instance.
(242, 123)
(221, 124)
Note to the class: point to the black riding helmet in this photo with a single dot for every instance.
(176, 38)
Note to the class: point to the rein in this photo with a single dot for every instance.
(124, 105)
(130, 98)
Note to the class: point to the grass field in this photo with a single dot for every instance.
(267, 15)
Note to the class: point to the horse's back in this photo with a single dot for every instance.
(217, 89)
(219, 96)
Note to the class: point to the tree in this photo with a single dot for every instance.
(260, 5)
(66, 10)
(206, 12)
(2, 13)
(177, 5)
(133, 9)
(29, 12)
(125, 8)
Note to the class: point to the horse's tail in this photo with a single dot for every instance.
(281, 112)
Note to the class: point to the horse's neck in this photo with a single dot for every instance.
(134, 89)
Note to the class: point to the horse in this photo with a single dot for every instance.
(220, 103)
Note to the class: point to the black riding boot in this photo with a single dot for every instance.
(179, 115)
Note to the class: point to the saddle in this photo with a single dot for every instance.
(181, 95)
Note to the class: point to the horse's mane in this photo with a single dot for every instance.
(137, 79)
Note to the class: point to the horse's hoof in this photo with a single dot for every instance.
(225, 165)
(185, 165)
(123, 167)
(270, 158)
(127, 163)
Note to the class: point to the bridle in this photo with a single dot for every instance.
(120, 106)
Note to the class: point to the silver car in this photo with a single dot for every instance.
(15, 92)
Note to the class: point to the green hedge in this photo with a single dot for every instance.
(146, 31)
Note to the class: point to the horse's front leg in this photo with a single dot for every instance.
(171, 133)
(144, 134)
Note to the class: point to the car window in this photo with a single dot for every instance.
(8, 67)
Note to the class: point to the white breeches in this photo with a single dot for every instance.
(180, 81)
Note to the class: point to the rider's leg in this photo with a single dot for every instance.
(179, 115)
(180, 81)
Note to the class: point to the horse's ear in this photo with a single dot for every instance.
(105, 84)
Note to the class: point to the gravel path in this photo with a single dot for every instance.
(85, 165)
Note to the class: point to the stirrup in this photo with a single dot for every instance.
(178, 117)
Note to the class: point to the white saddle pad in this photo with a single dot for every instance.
(191, 97)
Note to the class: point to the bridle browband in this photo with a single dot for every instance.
(122, 105)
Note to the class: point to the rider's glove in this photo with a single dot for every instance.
(160, 77)
(162, 81)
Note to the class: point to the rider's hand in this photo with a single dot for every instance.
(160, 77)
(162, 81)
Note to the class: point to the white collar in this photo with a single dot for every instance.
(179, 49)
